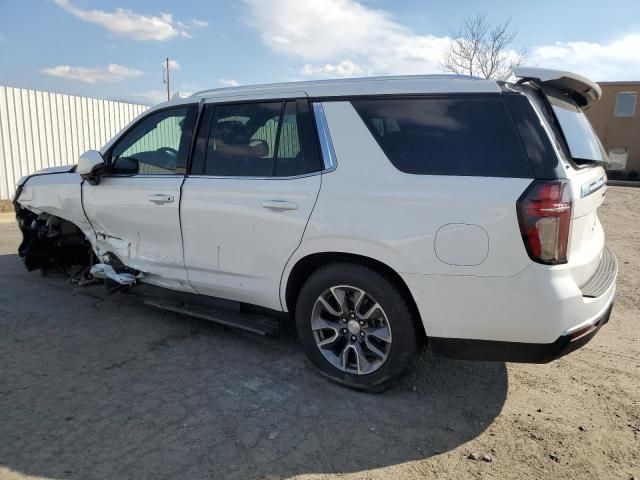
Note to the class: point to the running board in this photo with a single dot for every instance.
(251, 322)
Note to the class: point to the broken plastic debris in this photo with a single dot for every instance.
(102, 270)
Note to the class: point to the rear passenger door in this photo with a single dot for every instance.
(253, 182)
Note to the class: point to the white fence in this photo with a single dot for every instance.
(43, 129)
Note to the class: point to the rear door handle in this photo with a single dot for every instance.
(160, 198)
(279, 205)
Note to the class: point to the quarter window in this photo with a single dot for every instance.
(289, 159)
(467, 135)
(157, 145)
(626, 104)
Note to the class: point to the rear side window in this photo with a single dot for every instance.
(471, 136)
(242, 140)
(253, 140)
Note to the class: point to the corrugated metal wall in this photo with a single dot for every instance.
(43, 129)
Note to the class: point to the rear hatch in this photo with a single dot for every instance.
(560, 98)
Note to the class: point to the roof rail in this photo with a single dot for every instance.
(438, 76)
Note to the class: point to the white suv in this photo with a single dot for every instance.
(382, 214)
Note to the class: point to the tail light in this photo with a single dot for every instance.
(544, 213)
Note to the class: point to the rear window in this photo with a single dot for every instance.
(471, 136)
(582, 141)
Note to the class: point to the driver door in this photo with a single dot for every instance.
(134, 210)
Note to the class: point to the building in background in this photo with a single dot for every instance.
(45, 129)
(616, 120)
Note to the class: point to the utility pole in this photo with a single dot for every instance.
(165, 79)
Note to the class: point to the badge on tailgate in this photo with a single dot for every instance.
(593, 185)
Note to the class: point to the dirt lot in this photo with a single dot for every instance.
(97, 386)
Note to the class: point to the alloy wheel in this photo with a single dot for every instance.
(351, 329)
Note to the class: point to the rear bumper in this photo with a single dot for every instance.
(465, 349)
(499, 319)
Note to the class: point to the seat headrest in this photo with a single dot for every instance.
(233, 132)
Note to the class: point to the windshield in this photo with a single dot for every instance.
(582, 141)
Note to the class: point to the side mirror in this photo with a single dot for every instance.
(90, 166)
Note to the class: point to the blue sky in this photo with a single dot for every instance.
(114, 48)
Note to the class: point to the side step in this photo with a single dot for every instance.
(251, 322)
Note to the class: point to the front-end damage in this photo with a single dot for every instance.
(57, 235)
(51, 243)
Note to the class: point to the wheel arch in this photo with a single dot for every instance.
(308, 264)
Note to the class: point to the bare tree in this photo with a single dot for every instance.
(483, 50)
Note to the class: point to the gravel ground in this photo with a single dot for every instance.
(5, 206)
(98, 386)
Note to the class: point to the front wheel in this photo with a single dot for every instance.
(357, 327)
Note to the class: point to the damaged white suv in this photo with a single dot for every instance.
(382, 214)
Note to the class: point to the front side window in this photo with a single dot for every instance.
(157, 145)
(472, 136)
(249, 140)
(626, 104)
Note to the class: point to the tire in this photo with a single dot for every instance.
(362, 366)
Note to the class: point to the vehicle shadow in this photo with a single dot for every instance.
(99, 386)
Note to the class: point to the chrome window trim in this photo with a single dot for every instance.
(218, 177)
(229, 177)
(329, 159)
(143, 175)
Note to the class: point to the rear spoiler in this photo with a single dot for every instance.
(582, 90)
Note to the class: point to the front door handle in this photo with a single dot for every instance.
(160, 198)
(279, 205)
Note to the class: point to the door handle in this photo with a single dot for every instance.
(279, 205)
(160, 198)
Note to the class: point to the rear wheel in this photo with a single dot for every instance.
(357, 327)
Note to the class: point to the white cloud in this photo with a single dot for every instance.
(618, 59)
(280, 40)
(343, 37)
(346, 68)
(228, 83)
(199, 23)
(127, 23)
(347, 38)
(173, 65)
(110, 73)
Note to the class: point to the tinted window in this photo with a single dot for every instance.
(447, 136)
(156, 145)
(289, 160)
(250, 140)
(543, 159)
(582, 141)
(242, 140)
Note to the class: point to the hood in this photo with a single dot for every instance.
(47, 171)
